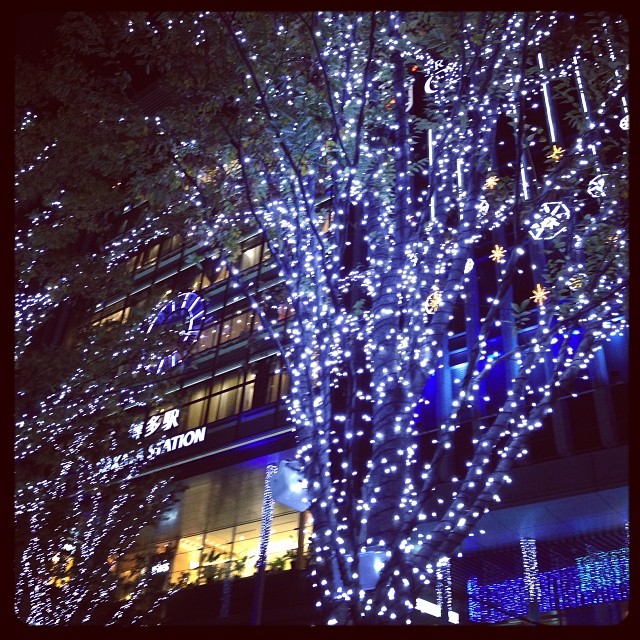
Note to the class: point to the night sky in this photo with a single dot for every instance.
(35, 32)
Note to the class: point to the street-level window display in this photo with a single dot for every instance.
(233, 551)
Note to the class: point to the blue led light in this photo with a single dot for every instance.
(596, 578)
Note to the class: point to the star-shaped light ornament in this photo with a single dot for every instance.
(540, 294)
(551, 221)
(577, 281)
(612, 239)
(595, 188)
(556, 153)
(433, 302)
(498, 253)
(624, 123)
(491, 182)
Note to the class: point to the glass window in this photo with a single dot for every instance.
(197, 282)
(169, 245)
(221, 273)
(278, 385)
(219, 557)
(154, 558)
(283, 541)
(219, 515)
(250, 257)
(284, 311)
(129, 569)
(131, 264)
(229, 397)
(225, 332)
(247, 396)
(237, 326)
(119, 316)
(235, 550)
(220, 400)
(208, 337)
(197, 406)
(150, 256)
(213, 412)
(186, 565)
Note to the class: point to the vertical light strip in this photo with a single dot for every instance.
(525, 184)
(530, 562)
(583, 98)
(623, 99)
(267, 516)
(547, 102)
(443, 574)
(430, 148)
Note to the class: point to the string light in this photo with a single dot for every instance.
(443, 586)
(267, 516)
(530, 562)
(595, 579)
(411, 201)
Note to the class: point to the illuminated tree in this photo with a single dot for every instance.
(385, 157)
(73, 519)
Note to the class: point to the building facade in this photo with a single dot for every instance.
(554, 551)
(569, 495)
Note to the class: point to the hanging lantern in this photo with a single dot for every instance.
(289, 486)
(370, 565)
